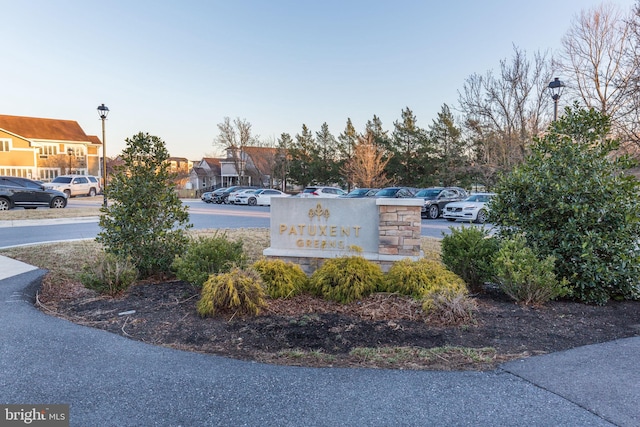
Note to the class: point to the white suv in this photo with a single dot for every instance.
(322, 192)
(75, 185)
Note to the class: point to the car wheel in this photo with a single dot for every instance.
(58, 203)
(481, 218)
(4, 204)
(434, 212)
(68, 193)
(92, 192)
(252, 201)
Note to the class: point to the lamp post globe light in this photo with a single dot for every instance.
(103, 111)
(70, 153)
(556, 87)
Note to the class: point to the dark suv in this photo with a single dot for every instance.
(436, 198)
(223, 196)
(28, 194)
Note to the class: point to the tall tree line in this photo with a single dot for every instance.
(491, 128)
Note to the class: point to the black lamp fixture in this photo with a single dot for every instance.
(556, 87)
(70, 152)
(103, 112)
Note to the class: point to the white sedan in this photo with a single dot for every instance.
(233, 197)
(473, 208)
(259, 197)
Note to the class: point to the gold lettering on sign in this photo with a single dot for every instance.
(318, 236)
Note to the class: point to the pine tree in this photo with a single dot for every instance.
(449, 160)
(303, 158)
(328, 168)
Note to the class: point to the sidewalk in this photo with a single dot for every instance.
(109, 380)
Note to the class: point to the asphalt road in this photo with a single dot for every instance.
(202, 216)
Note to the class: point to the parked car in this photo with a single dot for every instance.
(209, 196)
(23, 192)
(322, 192)
(395, 192)
(75, 185)
(361, 192)
(261, 197)
(436, 198)
(233, 196)
(473, 208)
(223, 196)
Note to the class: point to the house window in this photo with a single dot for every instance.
(48, 150)
(77, 151)
(19, 172)
(5, 145)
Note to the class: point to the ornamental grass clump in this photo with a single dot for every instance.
(281, 279)
(236, 292)
(450, 306)
(208, 255)
(109, 274)
(346, 279)
(418, 278)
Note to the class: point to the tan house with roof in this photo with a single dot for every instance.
(253, 166)
(42, 149)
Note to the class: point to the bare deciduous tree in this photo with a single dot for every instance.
(504, 112)
(234, 137)
(367, 164)
(598, 60)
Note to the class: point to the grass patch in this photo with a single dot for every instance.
(45, 213)
(447, 357)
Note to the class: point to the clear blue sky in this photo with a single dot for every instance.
(175, 69)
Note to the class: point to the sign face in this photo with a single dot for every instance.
(323, 227)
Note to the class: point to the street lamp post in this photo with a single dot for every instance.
(103, 111)
(556, 90)
(70, 153)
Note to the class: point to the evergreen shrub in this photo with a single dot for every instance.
(525, 277)
(238, 292)
(469, 252)
(208, 255)
(346, 279)
(417, 278)
(281, 279)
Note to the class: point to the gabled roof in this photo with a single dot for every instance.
(262, 157)
(43, 129)
(94, 139)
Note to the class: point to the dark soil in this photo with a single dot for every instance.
(381, 331)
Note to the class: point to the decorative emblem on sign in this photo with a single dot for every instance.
(319, 212)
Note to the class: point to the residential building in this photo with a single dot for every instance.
(42, 149)
(205, 175)
(252, 166)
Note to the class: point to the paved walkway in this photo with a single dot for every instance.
(109, 380)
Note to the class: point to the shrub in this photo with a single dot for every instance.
(109, 274)
(450, 306)
(146, 220)
(281, 279)
(469, 252)
(238, 291)
(208, 255)
(418, 278)
(346, 279)
(525, 277)
(573, 200)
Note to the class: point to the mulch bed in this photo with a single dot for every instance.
(383, 330)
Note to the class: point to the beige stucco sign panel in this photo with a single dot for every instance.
(323, 227)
